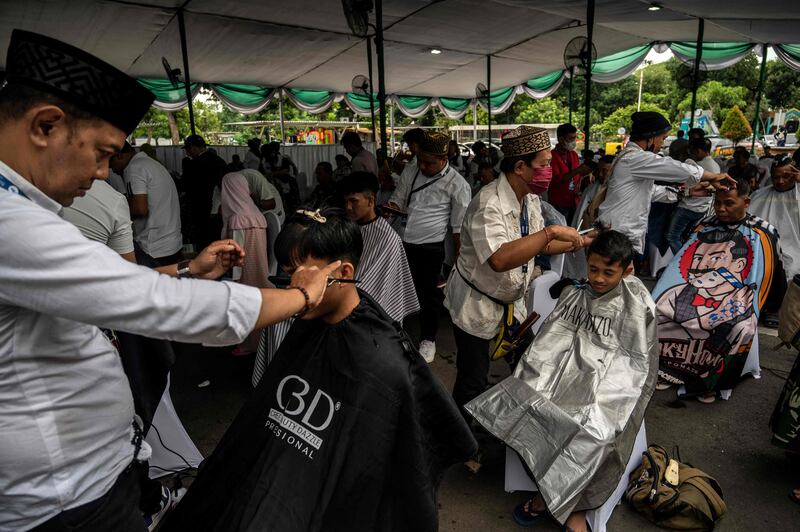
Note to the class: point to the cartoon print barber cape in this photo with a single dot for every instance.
(348, 430)
(708, 302)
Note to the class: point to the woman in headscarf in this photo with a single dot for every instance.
(244, 223)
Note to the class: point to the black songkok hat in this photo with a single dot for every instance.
(648, 124)
(435, 143)
(76, 77)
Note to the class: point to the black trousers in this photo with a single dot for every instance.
(425, 262)
(117, 510)
(144, 259)
(472, 368)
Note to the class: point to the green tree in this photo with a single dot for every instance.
(735, 127)
(622, 118)
(782, 85)
(715, 97)
(545, 111)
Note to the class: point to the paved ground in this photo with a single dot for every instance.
(729, 440)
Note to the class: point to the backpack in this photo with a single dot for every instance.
(692, 501)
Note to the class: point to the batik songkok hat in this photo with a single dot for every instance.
(76, 77)
(524, 140)
(435, 143)
(648, 124)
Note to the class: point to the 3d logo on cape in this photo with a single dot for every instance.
(301, 415)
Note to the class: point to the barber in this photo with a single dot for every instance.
(502, 233)
(68, 444)
(631, 183)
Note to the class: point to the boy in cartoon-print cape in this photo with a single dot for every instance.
(710, 296)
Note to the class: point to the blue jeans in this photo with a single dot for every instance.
(683, 220)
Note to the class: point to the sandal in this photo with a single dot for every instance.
(707, 399)
(526, 518)
(770, 320)
(661, 386)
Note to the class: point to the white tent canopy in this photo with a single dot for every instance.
(307, 44)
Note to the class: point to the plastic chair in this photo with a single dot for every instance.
(539, 299)
(517, 479)
(167, 437)
(658, 261)
(273, 228)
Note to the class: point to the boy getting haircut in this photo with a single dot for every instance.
(348, 429)
(596, 353)
(614, 247)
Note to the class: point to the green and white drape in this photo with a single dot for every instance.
(250, 99)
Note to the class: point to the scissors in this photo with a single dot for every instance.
(282, 281)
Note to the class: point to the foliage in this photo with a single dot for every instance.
(622, 118)
(715, 97)
(735, 126)
(782, 85)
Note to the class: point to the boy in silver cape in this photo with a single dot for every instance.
(577, 399)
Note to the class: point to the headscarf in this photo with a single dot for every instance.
(237, 207)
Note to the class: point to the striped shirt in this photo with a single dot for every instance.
(383, 270)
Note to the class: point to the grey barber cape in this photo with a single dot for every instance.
(576, 400)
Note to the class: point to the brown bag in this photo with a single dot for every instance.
(692, 502)
(789, 315)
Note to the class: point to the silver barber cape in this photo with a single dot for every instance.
(574, 404)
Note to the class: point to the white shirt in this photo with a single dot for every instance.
(631, 188)
(434, 207)
(492, 219)
(116, 182)
(65, 402)
(261, 188)
(158, 233)
(103, 215)
(702, 204)
(364, 161)
(251, 160)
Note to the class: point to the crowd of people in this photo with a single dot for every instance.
(348, 428)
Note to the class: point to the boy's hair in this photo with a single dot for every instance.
(614, 247)
(742, 187)
(565, 129)
(359, 182)
(702, 144)
(303, 236)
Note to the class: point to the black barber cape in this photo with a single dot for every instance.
(348, 430)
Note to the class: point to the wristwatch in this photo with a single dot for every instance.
(183, 270)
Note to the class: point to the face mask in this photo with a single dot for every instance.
(541, 180)
(570, 146)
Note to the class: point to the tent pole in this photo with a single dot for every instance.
(187, 79)
(698, 57)
(588, 102)
(762, 75)
(280, 110)
(489, 95)
(371, 93)
(475, 122)
(391, 120)
(571, 76)
(381, 71)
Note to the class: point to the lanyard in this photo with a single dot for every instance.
(11, 187)
(523, 226)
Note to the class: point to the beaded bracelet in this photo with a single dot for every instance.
(307, 306)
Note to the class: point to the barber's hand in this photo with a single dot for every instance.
(216, 259)
(314, 280)
(700, 190)
(567, 234)
(391, 205)
(719, 181)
